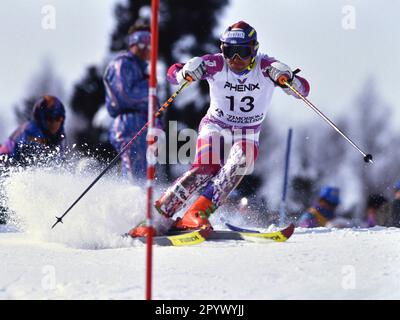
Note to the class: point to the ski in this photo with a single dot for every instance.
(237, 233)
(190, 238)
(239, 229)
(179, 239)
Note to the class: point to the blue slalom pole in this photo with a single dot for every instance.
(282, 207)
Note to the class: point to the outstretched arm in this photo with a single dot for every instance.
(275, 69)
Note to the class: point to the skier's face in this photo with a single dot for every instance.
(237, 64)
(142, 51)
(54, 124)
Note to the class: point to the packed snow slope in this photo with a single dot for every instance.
(85, 258)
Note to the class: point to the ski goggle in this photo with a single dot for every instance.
(242, 51)
(142, 46)
(140, 38)
(54, 117)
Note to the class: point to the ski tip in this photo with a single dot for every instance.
(287, 232)
(237, 229)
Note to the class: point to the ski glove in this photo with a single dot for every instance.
(296, 83)
(193, 70)
(279, 73)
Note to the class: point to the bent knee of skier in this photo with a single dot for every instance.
(244, 153)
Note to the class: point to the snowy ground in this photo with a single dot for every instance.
(85, 259)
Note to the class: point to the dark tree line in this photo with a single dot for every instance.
(88, 97)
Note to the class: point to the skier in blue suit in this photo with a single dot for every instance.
(38, 141)
(126, 82)
(42, 135)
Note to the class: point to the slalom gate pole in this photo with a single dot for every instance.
(282, 208)
(113, 161)
(151, 158)
(283, 81)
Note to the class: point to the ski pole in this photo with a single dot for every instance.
(113, 161)
(283, 81)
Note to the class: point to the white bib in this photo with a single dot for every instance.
(240, 100)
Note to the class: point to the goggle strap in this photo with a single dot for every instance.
(252, 64)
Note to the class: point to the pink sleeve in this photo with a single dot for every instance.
(214, 64)
(265, 63)
(171, 74)
(7, 147)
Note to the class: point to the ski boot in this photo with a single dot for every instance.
(196, 217)
(139, 231)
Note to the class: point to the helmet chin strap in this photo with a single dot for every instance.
(252, 63)
(250, 67)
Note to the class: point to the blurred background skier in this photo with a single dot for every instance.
(38, 141)
(388, 214)
(42, 135)
(241, 85)
(374, 203)
(322, 211)
(127, 89)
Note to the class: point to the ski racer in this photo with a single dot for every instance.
(241, 82)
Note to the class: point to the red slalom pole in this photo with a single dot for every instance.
(150, 147)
